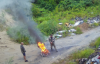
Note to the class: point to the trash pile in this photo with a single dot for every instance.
(78, 22)
(93, 20)
(94, 58)
(59, 33)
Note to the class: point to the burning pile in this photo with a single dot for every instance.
(44, 51)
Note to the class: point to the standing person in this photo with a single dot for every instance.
(23, 51)
(52, 42)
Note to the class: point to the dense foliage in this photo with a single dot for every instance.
(46, 11)
(48, 4)
(65, 4)
(48, 27)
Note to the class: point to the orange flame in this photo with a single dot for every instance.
(43, 48)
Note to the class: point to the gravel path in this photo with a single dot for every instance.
(65, 46)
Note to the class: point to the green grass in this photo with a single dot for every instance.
(78, 30)
(96, 24)
(96, 43)
(82, 54)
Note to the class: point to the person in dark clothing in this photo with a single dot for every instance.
(52, 42)
(23, 51)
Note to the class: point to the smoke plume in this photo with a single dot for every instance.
(21, 12)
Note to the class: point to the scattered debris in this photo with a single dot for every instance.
(82, 61)
(93, 20)
(99, 47)
(68, 24)
(72, 30)
(61, 31)
(57, 35)
(73, 34)
(92, 59)
(76, 24)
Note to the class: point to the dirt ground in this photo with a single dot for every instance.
(65, 46)
(84, 26)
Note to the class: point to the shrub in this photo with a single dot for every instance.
(99, 23)
(48, 4)
(95, 24)
(90, 25)
(95, 2)
(96, 43)
(20, 35)
(69, 4)
(48, 27)
(36, 11)
(85, 20)
(78, 30)
(65, 34)
(72, 22)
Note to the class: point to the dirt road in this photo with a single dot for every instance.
(10, 49)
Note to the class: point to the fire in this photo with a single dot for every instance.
(43, 48)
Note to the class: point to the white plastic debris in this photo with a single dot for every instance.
(61, 31)
(73, 34)
(77, 23)
(94, 59)
(72, 30)
(60, 23)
